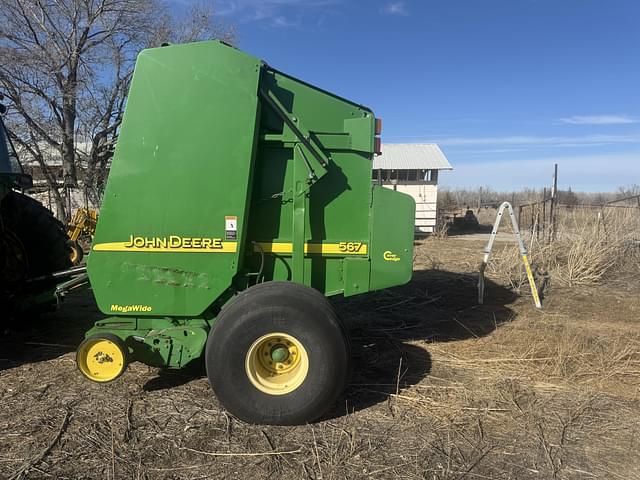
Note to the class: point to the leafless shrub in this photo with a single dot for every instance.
(486, 216)
(441, 229)
(506, 265)
(589, 247)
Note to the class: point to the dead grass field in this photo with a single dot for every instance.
(442, 389)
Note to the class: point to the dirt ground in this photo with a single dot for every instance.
(442, 389)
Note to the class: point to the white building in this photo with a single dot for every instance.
(413, 168)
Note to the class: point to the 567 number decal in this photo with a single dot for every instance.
(350, 247)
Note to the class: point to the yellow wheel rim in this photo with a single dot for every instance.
(277, 363)
(74, 255)
(100, 359)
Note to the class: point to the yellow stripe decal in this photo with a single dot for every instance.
(341, 248)
(222, 247)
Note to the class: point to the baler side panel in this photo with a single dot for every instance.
(182, 164)
(392, 219)
(338, 204)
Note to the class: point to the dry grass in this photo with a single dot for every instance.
(589, 248)
(487, 216)
(442, 389)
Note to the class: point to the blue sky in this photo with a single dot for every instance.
(506, 87)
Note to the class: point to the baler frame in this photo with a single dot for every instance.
(286, 169)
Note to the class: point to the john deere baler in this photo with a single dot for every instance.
(239, 198)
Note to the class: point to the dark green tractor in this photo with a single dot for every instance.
(33, 243)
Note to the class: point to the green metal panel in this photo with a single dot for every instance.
(159, 342)
(356, 276)
(183, 163)
(391, 238)
(337, 205)
(212, 137)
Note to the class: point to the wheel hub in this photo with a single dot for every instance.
(102, 357)
(279, 353)
(277, 363)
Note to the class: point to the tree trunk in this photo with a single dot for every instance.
(61, 209)
(67, 146)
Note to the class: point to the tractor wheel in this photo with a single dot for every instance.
(41, 234)
(76, 253)
(13, 258)
(278, 355)
(102, 358)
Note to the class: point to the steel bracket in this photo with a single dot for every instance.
(315, 159)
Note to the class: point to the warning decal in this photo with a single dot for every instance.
(230, 228)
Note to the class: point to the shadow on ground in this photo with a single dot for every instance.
(454, 231)
(168, 378)
(437, 306)
(36, 338)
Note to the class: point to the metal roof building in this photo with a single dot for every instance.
(412, 168)
(410, 156)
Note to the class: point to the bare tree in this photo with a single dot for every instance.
(568, 197)
(66, 65)
(628, 191)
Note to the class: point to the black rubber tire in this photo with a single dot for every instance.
(43, 236)
(278, 307)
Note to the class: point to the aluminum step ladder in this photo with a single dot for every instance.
(523, 254)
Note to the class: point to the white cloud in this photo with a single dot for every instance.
(395, 8)
(274, 13)
(582, 141)
(490, 151)
(598, 120)
(282, 22)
